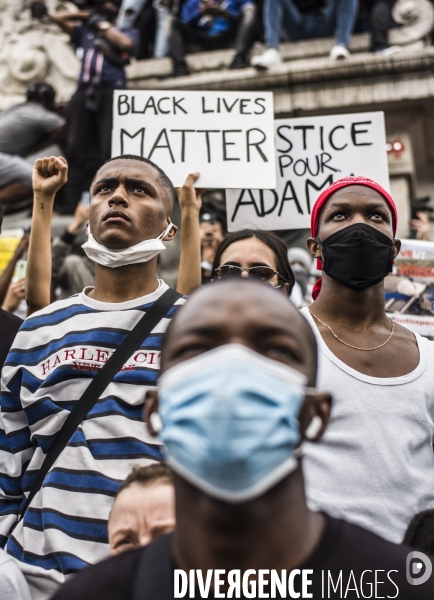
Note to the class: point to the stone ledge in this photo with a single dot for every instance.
(344, 95)
(220, 59)
(307, 71)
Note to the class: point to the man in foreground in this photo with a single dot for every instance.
(378, 446)
(55, 357)
(234, 408)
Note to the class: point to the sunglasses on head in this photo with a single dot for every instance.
(261, 273)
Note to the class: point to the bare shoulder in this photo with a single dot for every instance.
(405, 335)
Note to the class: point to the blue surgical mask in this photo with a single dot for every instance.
(230, 421)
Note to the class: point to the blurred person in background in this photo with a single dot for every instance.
(143, 509)
(380, 21)
(106, 50)
(211, 25)
(420, 227)
(15, 294)
(31, 125)
(26, 128)
(138, 13)
(9, 323)
(8, 274)
(421, 211)
(305, 19)
(211, 235)
(15, 183)
(72, 271)
(301, 262)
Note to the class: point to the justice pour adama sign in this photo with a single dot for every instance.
(311, 153)
(227, 136)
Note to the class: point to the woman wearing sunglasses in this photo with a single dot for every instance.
(249, 253)
(258, 254)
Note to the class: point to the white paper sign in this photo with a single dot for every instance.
(409, 290)
(227, 136)
(311, 153)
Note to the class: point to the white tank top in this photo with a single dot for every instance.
(375, 463)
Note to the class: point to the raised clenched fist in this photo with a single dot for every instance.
(49, 174)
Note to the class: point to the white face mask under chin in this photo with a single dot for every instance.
(140, 253)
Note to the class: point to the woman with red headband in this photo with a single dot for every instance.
(375, 465)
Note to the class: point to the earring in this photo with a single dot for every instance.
(156, 422)
(313, 428)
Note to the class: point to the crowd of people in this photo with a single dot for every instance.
(171, 27)
(144, 431)
(107, 34)
(266, 416)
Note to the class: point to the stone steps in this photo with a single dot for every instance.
(305, 63)
(218, 60)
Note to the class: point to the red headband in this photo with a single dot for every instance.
(334, 187)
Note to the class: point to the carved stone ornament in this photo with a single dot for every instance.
(33, 49)
(415, 19)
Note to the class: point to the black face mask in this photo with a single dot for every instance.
(357, 256)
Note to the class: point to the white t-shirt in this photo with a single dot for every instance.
(13, 585)
(375, 463)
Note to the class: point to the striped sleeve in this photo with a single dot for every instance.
(16, 451)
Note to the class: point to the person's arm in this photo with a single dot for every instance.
(8, 273)
(189, 274)
(15, 294)
(119, 40)
(67, 20)
(49, 174)
(421, 226)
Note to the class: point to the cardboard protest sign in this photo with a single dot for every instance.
(9, 240)
(409, 290)
(227, 136)
(311, 153)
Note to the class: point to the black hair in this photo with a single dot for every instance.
(270, 239)
(163, 178)
(420, 532)
(41, 92)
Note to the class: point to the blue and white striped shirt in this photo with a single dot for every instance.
(53, 359)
